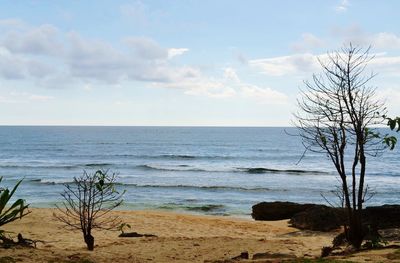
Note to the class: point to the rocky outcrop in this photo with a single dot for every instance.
(319, 218)
(270, 211)
(324, 218)
(385, 216)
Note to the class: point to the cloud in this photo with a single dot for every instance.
(356, 35)
(230, 74)
(44, 54)
(280, 66)
(342, 6)
(228, 85)
(145, 60)
(391, 97)
(263, 95)
(23, 97)
(307, 43)
(39, 56)
(146, 48)
(173, 52)
(385, 40)
(37, 41)
(14, 66)
(40, 97)
(307, 63)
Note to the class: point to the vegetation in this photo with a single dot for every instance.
(87, 203)
(13, 212)
(338, 111)
(122, 227)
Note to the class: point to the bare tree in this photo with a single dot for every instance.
(338, 111)
(87, 203)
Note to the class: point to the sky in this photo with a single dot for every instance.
(181, 63)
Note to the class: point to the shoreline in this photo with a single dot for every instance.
(179, 237)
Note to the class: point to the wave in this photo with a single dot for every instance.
(97, 164)
(262, 170)
(207, 208)
(182, 167)
(206, 187)
(253, 170)
(179, 186)
(53, 166)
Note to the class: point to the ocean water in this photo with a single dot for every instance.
(220, 171)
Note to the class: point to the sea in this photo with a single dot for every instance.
(200, 170)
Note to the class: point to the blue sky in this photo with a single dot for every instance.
(218, 63)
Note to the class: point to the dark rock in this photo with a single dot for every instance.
(323, 218)
(134, 234)
(277, 210)
(385, 216)
(318, 218)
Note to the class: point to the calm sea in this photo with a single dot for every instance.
(206, 170)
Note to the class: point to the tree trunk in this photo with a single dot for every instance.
(89, 240)
(355, 232)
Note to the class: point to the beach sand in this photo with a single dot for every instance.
(180, 238)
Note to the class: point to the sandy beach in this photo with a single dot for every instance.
(179, 238)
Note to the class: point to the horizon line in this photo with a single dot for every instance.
(172, 126)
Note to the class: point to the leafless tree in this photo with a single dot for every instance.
(88, 202)
(337, 116)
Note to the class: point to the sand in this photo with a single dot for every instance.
(179, 238)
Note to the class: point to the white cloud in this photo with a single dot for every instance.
(305, 64)
(173, 52)
(36, 41)
(228, 86)
(38, 56)
(385, 40)
(279, 66)
(356, 35)
(308, 42)
(391, 97)
(342, 6)
(264, 95)
(146, 48)
(15, 66)
(230, 74)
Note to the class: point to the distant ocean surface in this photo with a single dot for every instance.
(219, 171)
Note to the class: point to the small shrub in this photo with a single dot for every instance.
(11, 213)
(123, 226)
(88, 202)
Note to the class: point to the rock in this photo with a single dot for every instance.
(323, 218)
(277, 210)
(385, 216)
(134, 234)
(318, 218)
(243, 255)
